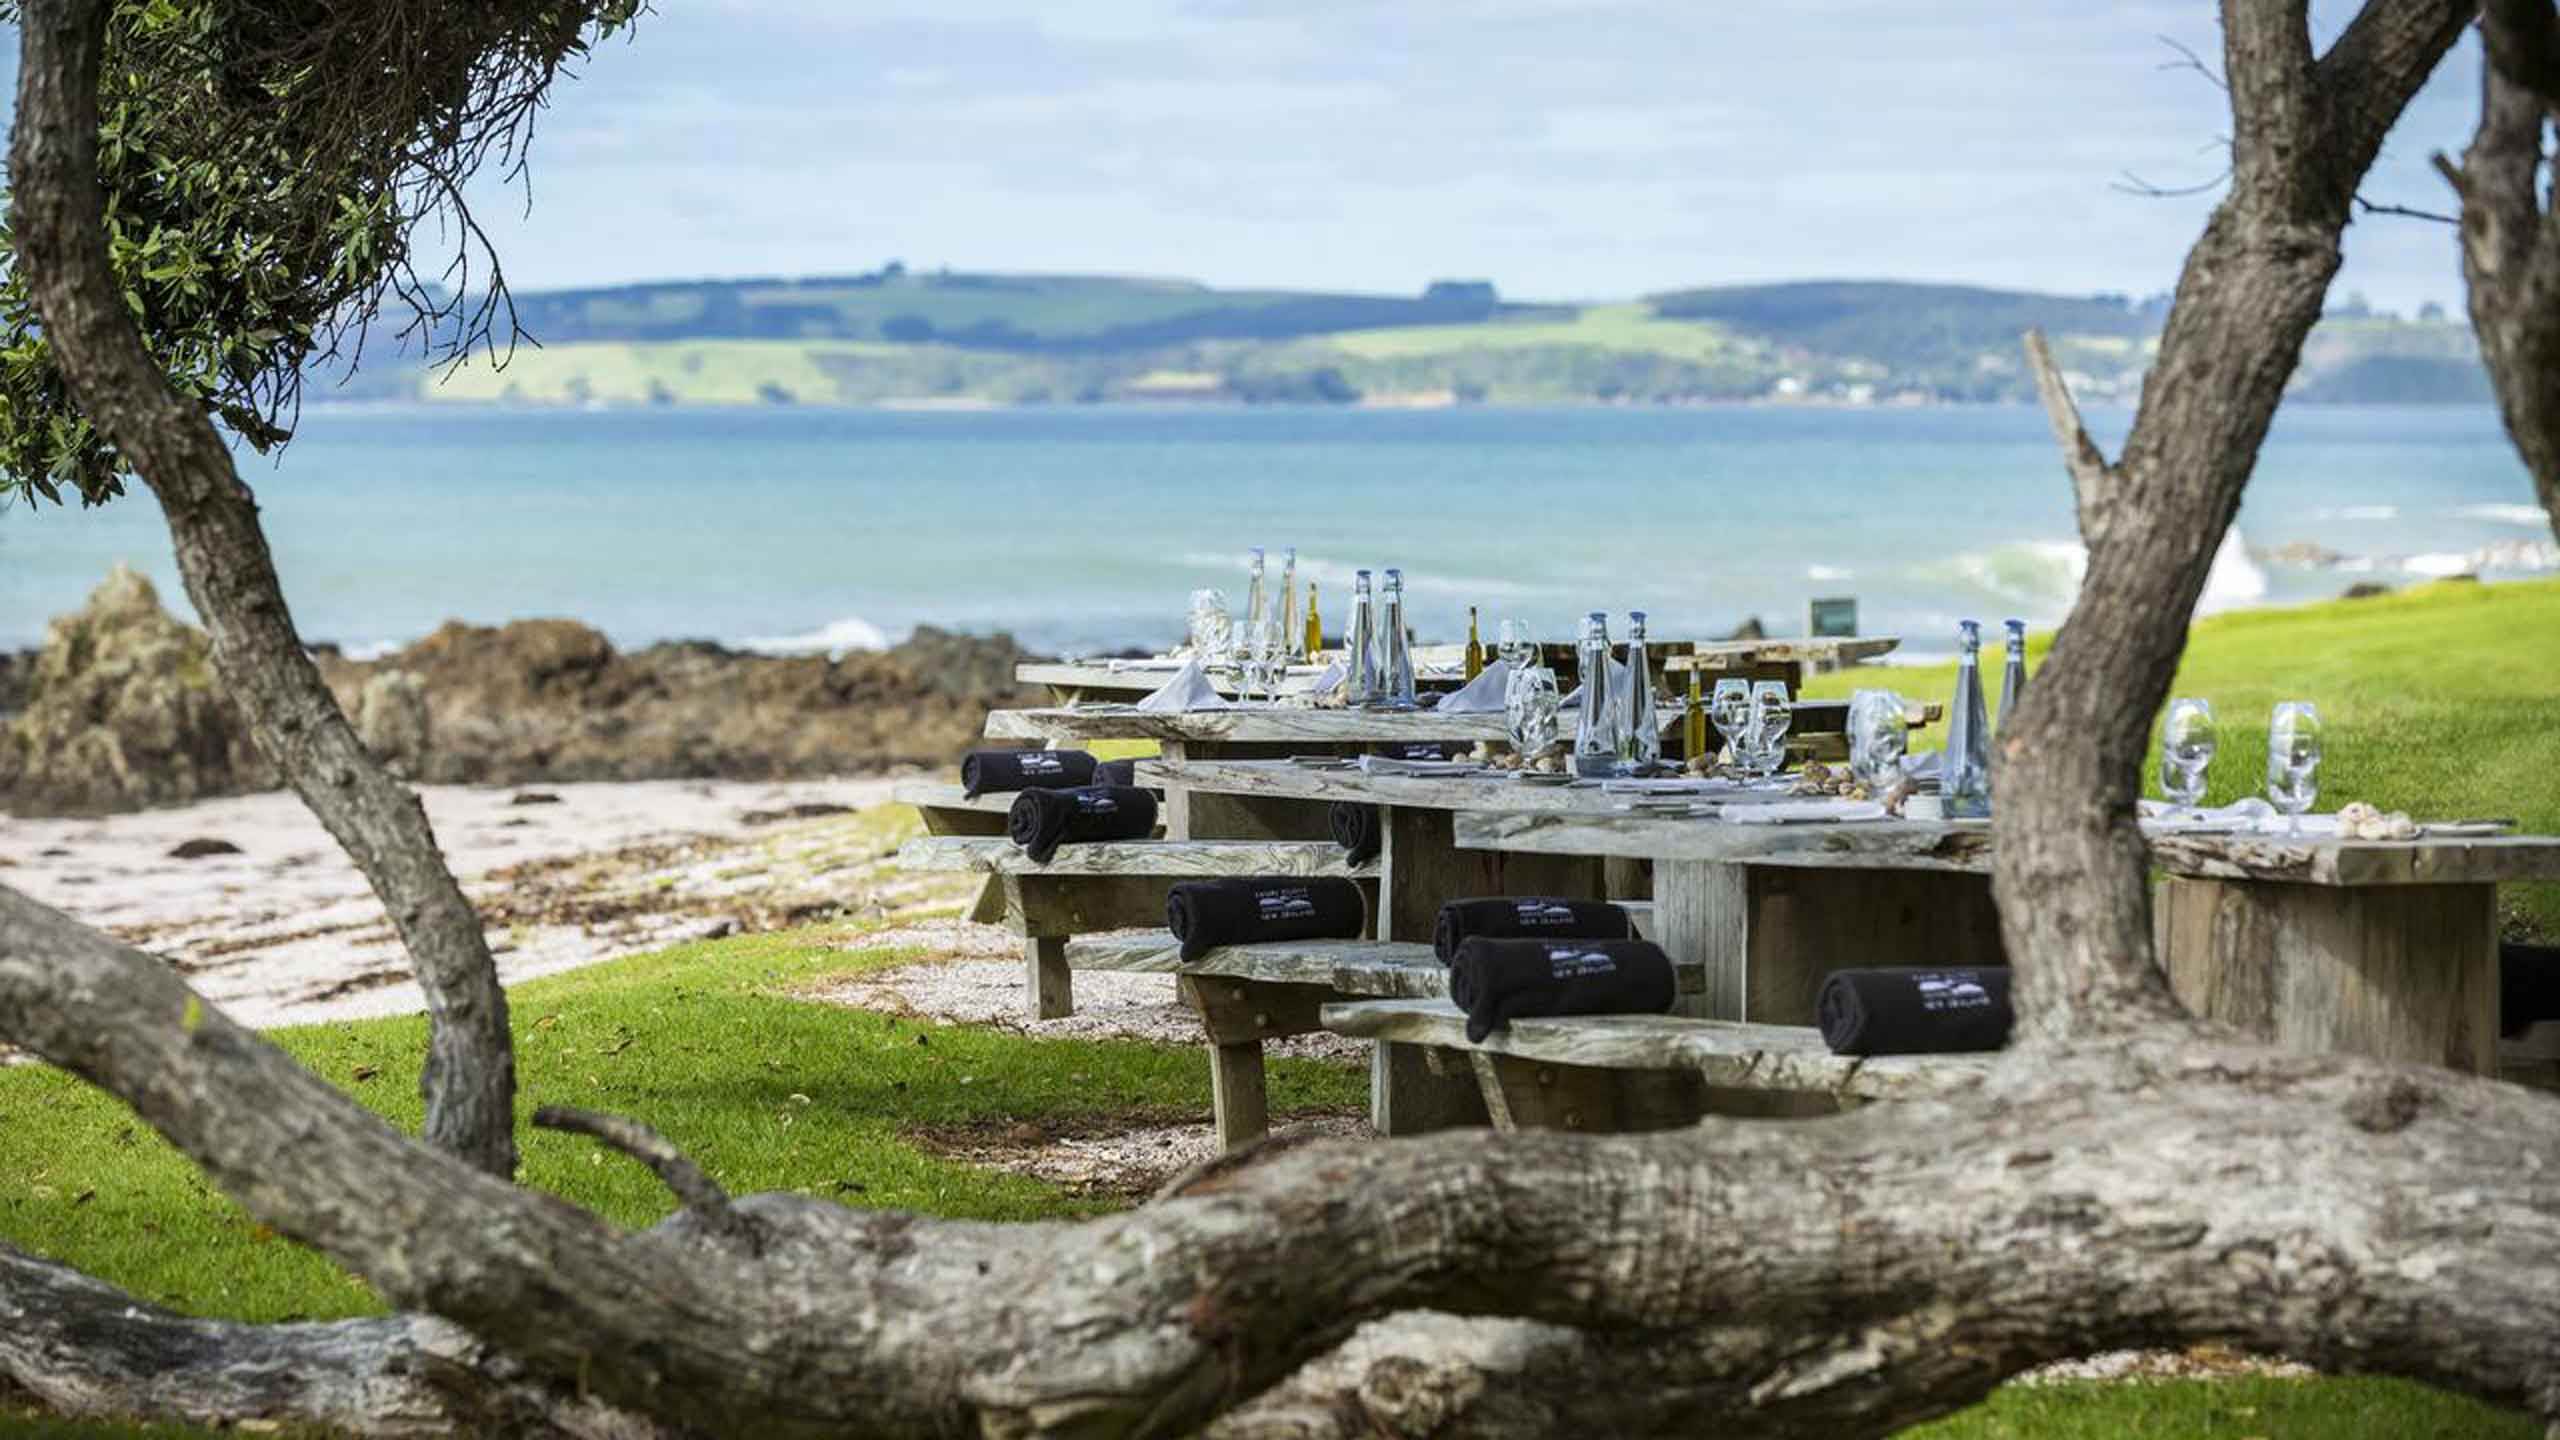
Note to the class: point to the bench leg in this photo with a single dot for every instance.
(1236, 1095)
(1409, 1096)
(1527, 1095)
(1048, 986)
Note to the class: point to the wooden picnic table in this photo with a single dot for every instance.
(2382, 948)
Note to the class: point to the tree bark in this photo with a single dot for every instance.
(469, 1077)
(2071, 874)
(1844, 1277)
(2511, 234)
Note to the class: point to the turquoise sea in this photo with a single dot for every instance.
(1083, 529)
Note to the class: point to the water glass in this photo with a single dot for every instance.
(1513, 644)
(2293, 761)
(1879, 733)
(1210, 627)
(1771, 715)
(2188, 739)
(1730, 708)
(1263, 658)
(1530, 705)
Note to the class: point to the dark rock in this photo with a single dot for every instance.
(807, 810)
(1749, 629)
(2365, 590)
(202, 846)
(53, 852)
(534, 797)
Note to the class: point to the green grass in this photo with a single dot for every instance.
(1607, 327)
(766, 1091)
(2354, 1408)
(2442, 700)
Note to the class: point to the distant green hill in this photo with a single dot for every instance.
(893, 336)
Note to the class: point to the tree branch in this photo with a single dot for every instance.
(2522, 40)
(59, 225)
(2090, 477)
(701, 1196)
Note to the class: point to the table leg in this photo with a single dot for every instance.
(2397, 972)
(1409, 1096)
(1421, 868)
(1048, 986)
(1238, 1016)
(1767, 935)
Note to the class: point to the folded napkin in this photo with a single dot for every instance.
(1498, 981)
(1914, 1011)
(1355, 829)
(1043, 820)
(1619, 683)
(1923, 766)
(1328, 680)
(2242, 814)
(1205, 914)
(1527, 917)
(1484, 695)
(983, 771)
(2528, 987)
(1388, 765)
(1189, 689)
(1800, 812)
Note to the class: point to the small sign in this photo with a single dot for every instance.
(1832, 617)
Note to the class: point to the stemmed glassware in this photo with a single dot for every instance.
(2188, 739)
(1878, 735)
(1210, 627)
(2293, 761)
(1530, 704)
(1264, 655)
(1513, 644)
(1771, 715)
(1730, 708)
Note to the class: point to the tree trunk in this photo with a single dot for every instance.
(469, 1078)
(2123, 1178)
(2511, 238)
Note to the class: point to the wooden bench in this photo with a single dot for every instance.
(1091, 888)
(1648, 1072)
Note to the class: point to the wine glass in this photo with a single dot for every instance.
(1771, 715)
(1879, 733)
(1513, 645)
(1210, 627)
(1262, 658)
(1530, 703)
(1730, 708)
(2188, 739)
(2293, 761)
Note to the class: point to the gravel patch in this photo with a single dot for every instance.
(2196, 1362)
(1110, 1004)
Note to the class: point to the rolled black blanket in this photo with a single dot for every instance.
(1914, 1011)
(2528, 987)
(1116, 772)
(1526, 917)
(1043, 820)
(1205, 914)
(1498, 981)
(1355, 829)
(985, 771)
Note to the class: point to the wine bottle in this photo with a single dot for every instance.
(1315, 624)
(1475, 646)
(1694, 730)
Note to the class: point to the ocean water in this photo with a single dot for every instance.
(1083, 529)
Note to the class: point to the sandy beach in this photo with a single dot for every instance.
(280, 928)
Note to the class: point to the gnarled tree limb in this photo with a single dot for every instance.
(57, 215)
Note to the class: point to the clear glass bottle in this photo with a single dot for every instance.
(1257, 603)
(2013, 675)
(1639, 729)
(1475, 646)
(1595, 728)
(1315, 624)
(1289, 602)
(1359, 640)
(1395, 648)
(1964, 773)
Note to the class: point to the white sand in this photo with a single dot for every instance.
(287, 932)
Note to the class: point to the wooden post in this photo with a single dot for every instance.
(1048, 986)
(1702, 914)
(1410, 1096)
(1239, 1015)
(1422, 868)
(1766, 936)
(2397, 972)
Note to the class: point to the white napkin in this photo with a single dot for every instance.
(1484, 695)
(1783, 812)
(1659, 787)
(1923, 765)
(1618, 684)
(2161, 818)
(1189, 689)
(1330, 680)
(1384, 765)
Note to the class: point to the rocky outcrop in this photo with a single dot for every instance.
(121, 710)
(124, 712)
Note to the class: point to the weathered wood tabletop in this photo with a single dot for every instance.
(1248, 724)
(1493, 791)
(1721, 656)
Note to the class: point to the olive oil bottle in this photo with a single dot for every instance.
(1315, 623)
(1693, 734)
(1475, 646)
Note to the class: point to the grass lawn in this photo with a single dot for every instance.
(2442, 700)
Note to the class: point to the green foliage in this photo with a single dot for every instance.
(266, 163)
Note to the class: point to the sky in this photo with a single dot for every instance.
(1563, 149)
